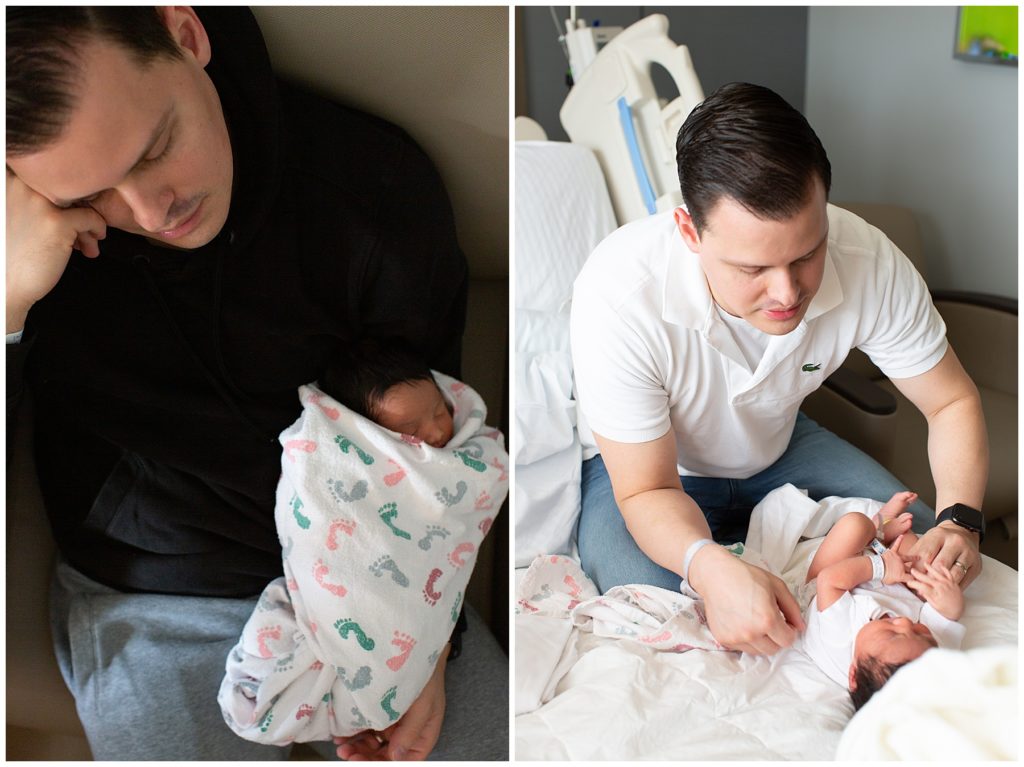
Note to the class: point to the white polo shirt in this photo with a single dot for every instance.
(651, 352)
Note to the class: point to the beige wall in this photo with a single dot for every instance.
(441, 73)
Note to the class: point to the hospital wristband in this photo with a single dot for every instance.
(690, 554)
(877, 569)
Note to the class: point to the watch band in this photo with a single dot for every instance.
(964, 516)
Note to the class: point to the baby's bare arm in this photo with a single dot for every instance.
(846, 539)
(837, 578)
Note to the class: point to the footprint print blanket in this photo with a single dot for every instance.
(379, 534)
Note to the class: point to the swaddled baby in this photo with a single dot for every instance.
(381, 507)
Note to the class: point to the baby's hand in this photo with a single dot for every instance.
(937, 587)
(895, 567)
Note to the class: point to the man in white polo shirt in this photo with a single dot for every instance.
(696, 335)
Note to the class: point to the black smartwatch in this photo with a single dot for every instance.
(966, 517)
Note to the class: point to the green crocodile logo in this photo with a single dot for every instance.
(810, 367)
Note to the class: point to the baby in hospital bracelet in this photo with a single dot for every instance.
(690, 553)
(877, 570)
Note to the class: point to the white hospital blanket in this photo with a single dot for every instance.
(920, 713)
(379, 534)
(655, 703)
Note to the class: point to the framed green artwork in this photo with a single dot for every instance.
(987, 34)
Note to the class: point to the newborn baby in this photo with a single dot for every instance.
(864, 622)
(390, 480)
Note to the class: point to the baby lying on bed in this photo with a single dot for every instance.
(864, 622)
(381, 507)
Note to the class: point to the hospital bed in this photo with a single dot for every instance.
(587, 692)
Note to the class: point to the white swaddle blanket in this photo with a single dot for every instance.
(379, 534)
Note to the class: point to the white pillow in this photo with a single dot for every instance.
(562, 213)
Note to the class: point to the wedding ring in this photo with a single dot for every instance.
(962, 566)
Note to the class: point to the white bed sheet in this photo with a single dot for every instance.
(590, 697)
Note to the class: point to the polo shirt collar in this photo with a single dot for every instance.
(686, 297)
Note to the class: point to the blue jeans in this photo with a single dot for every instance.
(816, 461)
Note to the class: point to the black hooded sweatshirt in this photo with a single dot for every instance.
(161, 378)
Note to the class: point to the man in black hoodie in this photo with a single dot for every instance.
(188, 239)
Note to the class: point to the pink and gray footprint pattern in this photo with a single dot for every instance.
(426, 555)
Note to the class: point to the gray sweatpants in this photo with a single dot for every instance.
(145, 669)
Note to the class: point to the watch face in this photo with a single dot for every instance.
(967, 517)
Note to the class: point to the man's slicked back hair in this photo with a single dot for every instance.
(746, 143)
(43, 61)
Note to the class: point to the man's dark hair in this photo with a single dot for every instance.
(746, 143)
(358, 376)
(869, 676)
(44, 59)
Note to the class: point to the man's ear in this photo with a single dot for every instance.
(684, 223)
(187, 31)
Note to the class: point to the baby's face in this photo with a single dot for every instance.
(417, 409)
(893, 640)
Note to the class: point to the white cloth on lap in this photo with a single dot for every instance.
(379, 534)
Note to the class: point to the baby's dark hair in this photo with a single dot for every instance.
(359, 374)
(868, 677)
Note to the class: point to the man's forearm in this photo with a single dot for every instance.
(664, 522)
(958, 453)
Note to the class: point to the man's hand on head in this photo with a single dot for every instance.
(747, 608)
(40, 238)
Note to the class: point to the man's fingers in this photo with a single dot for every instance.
(766, 646)
(790, 608)
(87, 245)
(410, 734)
(751, 648)
(404, 737)
(86, 220)
(91, 229)
(959, 567)
(361, 746)
(781, 636)
(925, 549)
(922, 575)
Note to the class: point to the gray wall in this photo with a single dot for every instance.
(904, 122)
(763, 45)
